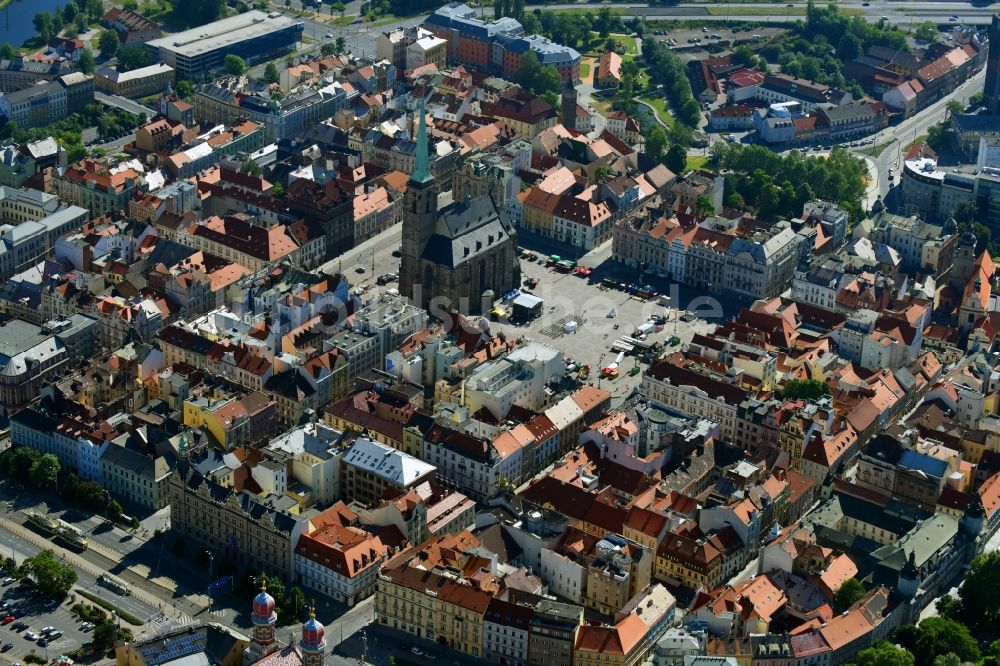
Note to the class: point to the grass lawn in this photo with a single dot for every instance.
(696, 162)
(343, 22)
(878, 149)
(602, 106)
(660, 104)
(584, 70)
(629, 42)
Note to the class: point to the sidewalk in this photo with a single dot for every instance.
(874, 191)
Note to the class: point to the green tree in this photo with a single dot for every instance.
(108, 43)
(184, 89)
(339, 7)
(703, 206)
(676, 159)
(43, 25)
(849, 47)
(954, 108)
(57, 23)
(53, 579)
(980, 592)
(198, 12)
(883, 653)
(81, 21)
(271, 73)
(950, 659)
(7, 52)
(233, 64)
(251, 168)
(133, 57)
(328, 49)
(94, 9)
(134, 524)
(86, 62)
(115, 511)
(938, 136)
(811, 389)
(294, 606)
(604, 22)
(341, 45)
(851, 591)
(105, 635)
(965, 214)
(975, 99)
(17, 463)
(497, 9)
(949, 607)
(927, 31)
(69, 11)
(656, 143)
(517, 10)
(935, 637)
(44, 472)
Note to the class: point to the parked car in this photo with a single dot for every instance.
(31, 636)
(8, 619)
(6, 646)
(417, 652)
(7, 581)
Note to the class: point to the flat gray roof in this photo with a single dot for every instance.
(223, 33)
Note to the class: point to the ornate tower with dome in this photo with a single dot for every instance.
(264, 618)
(313, 643)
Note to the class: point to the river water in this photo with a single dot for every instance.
(15, 19)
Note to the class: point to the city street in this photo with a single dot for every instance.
(894, 139)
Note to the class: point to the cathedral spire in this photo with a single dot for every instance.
(421, 172)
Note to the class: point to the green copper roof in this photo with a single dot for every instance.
(421, 172)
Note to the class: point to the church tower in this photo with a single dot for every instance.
(264, 618)
(419, 218)
(569, 103)
(313, 643)
(908, 581)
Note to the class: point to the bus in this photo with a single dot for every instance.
(114, 584)
(72, 536)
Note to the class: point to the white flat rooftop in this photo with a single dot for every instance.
(223, 33)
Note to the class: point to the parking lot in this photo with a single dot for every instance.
(36, 614)
(588, 303)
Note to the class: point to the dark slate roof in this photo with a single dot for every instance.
(465, 230)
(251, 505)
(169, 253)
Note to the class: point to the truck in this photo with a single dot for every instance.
(644, 329)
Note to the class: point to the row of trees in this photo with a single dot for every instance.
(965, 632)
(30, 466)
(512, 8)
(74, 17)
(44, 472)
(572, 28)
(777, 186)
(668, 69)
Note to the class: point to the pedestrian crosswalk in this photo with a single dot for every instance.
(164, 622)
